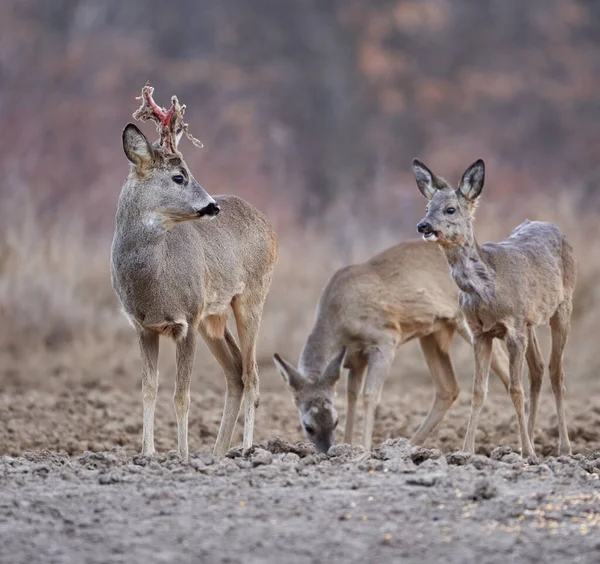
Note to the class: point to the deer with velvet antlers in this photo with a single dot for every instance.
(507, 289)
(175, 272)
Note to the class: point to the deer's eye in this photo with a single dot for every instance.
(336, 423)
(309, 430)
(450, 211)
(178, 179)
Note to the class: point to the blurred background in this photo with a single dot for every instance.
(311, 110)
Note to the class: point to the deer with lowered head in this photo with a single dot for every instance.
(507, 289)
(180, 259)
(366, 311)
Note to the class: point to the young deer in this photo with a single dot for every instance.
(174, 273)
(506, 290)
(364, 313)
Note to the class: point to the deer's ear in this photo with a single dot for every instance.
(333, 370)
(426, 181)
(137, 148)
(293, 379)
(471, 184)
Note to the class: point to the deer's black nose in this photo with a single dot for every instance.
(323, 445)
(211, 210)
(424, 227)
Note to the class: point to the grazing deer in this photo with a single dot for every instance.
(366, 311)
(506, 290)
(174, 273)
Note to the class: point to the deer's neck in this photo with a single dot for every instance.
(140, 239)
(472, 274)
(317, 351)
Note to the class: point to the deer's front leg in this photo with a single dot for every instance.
(186, 351)
(378, 365)
(516, 342)
(149, 352)
(483, 354)
(354, 382)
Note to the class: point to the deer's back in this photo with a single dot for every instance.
(240, 248)
(404, 290)
(535, 270)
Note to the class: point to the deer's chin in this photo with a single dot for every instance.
(173, 217)
(431, 237)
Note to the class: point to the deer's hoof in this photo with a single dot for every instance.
(531, 459)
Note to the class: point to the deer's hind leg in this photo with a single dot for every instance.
(435, 349)
(354, 382)
(560, 326)
(225, 350)
(535, 363)
(148, 341)
(248, 312)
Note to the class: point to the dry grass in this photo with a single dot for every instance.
(60, 318)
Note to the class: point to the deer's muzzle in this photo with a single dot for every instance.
(211, 210)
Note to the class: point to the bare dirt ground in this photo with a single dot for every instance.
(73, 489)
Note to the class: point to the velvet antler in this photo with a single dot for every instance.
(169, 124)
